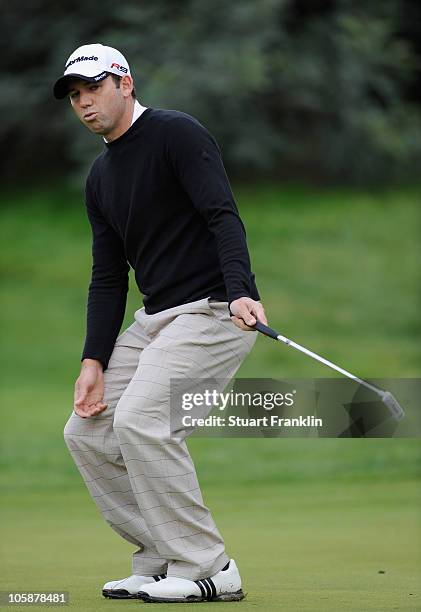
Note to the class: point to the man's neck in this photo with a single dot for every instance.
(135, 111)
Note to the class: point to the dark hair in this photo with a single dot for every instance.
(116, 78)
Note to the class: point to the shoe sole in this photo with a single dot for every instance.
(237, 596)
(118, 594)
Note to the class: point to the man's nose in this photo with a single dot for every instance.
(85, 100)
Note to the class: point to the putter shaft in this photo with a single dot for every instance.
(386, 396)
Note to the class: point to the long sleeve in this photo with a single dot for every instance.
(197, 163)
(108, 287)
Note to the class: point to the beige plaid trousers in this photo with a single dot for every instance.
(143, 480)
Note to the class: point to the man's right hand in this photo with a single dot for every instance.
(89, 389)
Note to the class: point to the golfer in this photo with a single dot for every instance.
(158, 201)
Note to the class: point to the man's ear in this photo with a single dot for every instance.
(126, 85)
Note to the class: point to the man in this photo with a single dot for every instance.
(158, 199)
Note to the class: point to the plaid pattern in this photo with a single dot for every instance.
(142, 480)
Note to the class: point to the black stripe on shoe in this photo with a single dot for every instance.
(212, 587)
(159, 577)
(208, 589)
(202, 589)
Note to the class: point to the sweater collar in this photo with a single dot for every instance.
(137, 111)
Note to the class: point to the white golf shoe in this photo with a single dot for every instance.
(223, 586)
(127, 588)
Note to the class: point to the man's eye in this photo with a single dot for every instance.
(72, 96)
(94, 87)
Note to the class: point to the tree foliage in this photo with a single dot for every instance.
(326, 90)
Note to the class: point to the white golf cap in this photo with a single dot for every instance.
(91, 63)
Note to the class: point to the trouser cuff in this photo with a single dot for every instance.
(149, 567)
(190, 571)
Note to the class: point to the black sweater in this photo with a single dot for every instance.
(158, 198)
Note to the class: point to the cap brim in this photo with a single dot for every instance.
(61, 86)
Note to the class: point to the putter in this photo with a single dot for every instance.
(387, 398)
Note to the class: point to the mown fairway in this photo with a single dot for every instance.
(311, 523)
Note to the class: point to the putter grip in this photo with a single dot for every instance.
(267, 331)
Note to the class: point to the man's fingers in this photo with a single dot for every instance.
(80, 395)
(249, 311)
(80, 410)
(97, 409)
(88, 400)
(247, 316)
(259, 312)
(89, 410)
(240, 323)
(249, 319)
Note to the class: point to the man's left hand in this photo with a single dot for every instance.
(245, 312)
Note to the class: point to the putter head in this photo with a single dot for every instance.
(393, 405)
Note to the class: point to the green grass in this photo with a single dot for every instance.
(318, 546)
(310, 521)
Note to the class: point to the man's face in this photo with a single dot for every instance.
(99, 106)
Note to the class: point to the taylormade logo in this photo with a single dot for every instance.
(82, 58)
